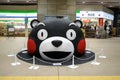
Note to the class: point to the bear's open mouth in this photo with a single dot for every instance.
(56, 54)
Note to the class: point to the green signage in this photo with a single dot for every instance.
(77, 11)
(18, 11)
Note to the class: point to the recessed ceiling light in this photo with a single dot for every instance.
(27, 0)
(110, 6)
(8, 0)
(101, 2)
(83, 2)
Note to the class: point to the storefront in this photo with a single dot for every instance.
(93, 19)
(19, 20)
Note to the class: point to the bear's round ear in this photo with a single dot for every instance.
(78, 23)
(34, 23)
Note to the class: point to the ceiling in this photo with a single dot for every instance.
(107, 3)
(18, 2)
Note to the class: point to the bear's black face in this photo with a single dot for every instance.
(56, 40)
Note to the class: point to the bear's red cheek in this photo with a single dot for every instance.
(81, 46)
(31, 46)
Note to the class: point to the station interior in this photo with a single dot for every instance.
(100, 27)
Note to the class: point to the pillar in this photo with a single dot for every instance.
(115, 21)
(26, 27)
(53, 8)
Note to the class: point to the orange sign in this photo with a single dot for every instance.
(100, 21)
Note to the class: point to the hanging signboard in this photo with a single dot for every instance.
(11, 29)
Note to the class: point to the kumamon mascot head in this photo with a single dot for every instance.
(56, 40)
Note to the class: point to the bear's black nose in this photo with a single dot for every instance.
(56, 43)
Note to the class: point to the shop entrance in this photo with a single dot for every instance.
(6, 24)
(15, 22)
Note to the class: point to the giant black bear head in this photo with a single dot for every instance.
(56, 40)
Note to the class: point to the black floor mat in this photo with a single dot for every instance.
(88, 56)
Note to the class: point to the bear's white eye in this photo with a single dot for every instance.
(71, 34)
(42, 34)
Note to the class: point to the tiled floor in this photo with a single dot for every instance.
(108, 67)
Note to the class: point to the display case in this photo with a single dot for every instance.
(0, 29)
(3, 29)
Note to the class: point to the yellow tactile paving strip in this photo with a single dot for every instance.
(60, 78)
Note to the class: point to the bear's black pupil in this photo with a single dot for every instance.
(42, 34)
(71, 34)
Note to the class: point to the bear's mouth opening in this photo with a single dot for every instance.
(56, 54)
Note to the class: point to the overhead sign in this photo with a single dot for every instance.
(17, 14)
(94, 14)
